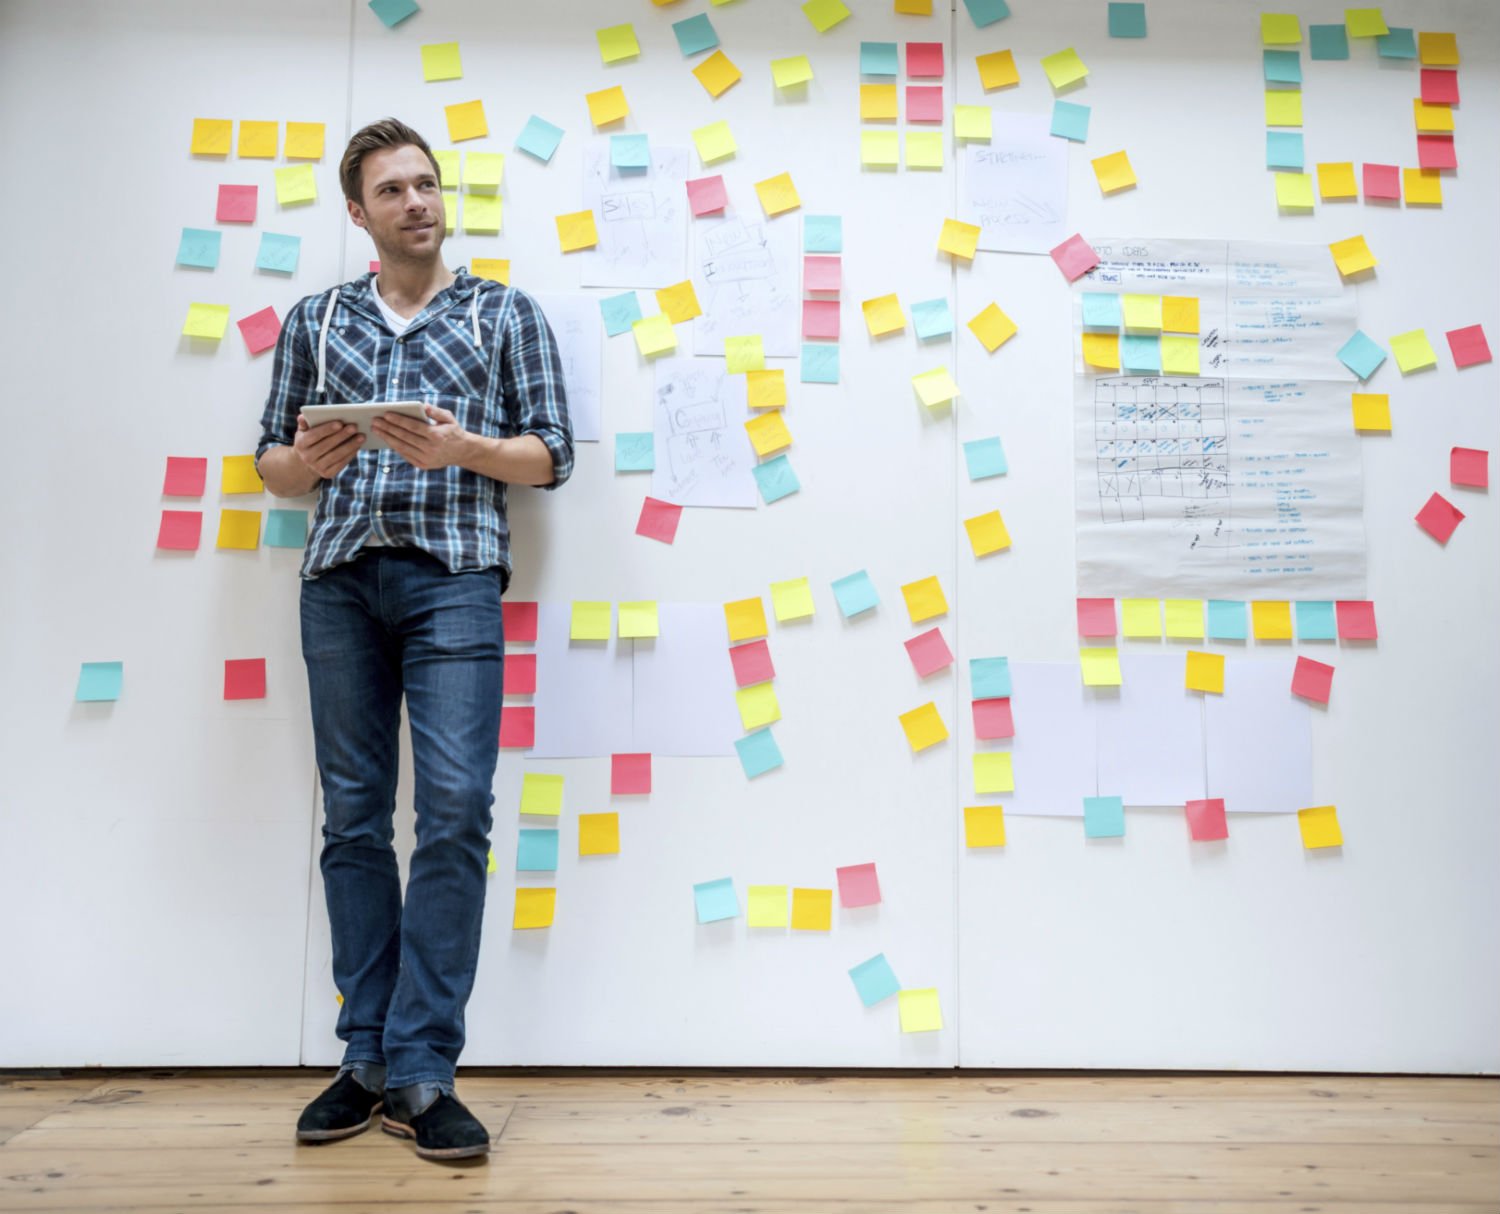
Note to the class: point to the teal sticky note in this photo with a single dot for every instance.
(198, 247)
(630, 153)
(539, 138)
(877, 59)
(716, 900)
(932, 318)
(393, 12)
(1328, 41)
(100, 681)
(635, 451)
(985, 457)
(1127, 20)
(1316, 622)
(1141, 353)
(1226, 620)
(1282, 67)
(1361, 355)
(822, 234)
(820, 362)
(989, 678)
(286, 529)
(278, 253)
(855, 593)
(1070, 121)
(1399, 43)
(987, 12)
(874, 980)
(1284, 150)
(1101, 311)
(758, 752)
(695, 34)
(1103, 817)
(536, 850)
(620, 312)
(776, 479)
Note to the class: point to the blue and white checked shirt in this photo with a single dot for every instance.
(482, 350)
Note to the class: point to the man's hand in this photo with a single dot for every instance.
(327, 448)
(421, 445)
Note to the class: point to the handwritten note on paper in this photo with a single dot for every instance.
(576, 321)
(746, 272)
(703, 455)
(642, 218)
(1016, 185)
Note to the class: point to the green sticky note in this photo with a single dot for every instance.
(877, 59)
(286, 528)
(1329, 41)
(1127, 20)
(1316, 621)
(1282, 67)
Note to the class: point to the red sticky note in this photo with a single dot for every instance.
(928, 652)
(992, 719)
(1356, 619)
(1206, 819)
(706, 195)
(520, 674)
(180, 529)
(186, 476)
(374, 267)
(1382, 181)
(658, 520)
(1439, 86)
(1096, 617)
(924, 60)
(260, 330)
(1468, 345)
(629, 775)
(820, 318)
(517, 726)
(822, 273)
(236, 204)
(1312, 680)
(518, 620)
(245, 679)
(1439, 517)
(1074, 257)
(1436, 152)
(752, 663)
(1469, 466)
(858, 885)
(924, 102)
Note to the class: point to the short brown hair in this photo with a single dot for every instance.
(387, 133)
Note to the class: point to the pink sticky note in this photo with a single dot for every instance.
(1356, 620)
(706, 195)
(924, 102)
(820, 318)
(1468, 345)
(992, 719)
(1439, 517)
(260, 330)
(374, 267)
(1469, 466)
(928, 652)
(518, 621)
(236, 204)
(752, 663)
(1436, 152)
(245, 679)
(180, 529)
(186, 476)
(1312, 680)
(1382, 181)
(629, 775)
(1074, 257)
(1096, 617)
(924, 60)
(658, 520)
(1439, 86)
(520, 674)
(858, 885)
(517, 726)
(1206, 819)
(822, 273)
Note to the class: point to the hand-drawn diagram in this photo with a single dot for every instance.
(746, 274)
(574, 321)
(1165, 438)
(1015, 187)
(642, 219)
(703, 455)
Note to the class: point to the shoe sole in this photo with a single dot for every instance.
(400, 1129)
(336, 1135)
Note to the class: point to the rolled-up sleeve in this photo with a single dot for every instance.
(293, 383)
(531, 376)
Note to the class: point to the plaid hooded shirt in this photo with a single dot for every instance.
(479, 349)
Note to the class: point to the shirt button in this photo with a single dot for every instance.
(380, 514)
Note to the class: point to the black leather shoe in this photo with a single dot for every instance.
(442, 1127)
(347, 1107)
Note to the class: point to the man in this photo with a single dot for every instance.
(402, 579)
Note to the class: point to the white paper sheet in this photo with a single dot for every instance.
(1015, 187)
(584, 690)
(747, 273)
(684, 684)
(703, 455)
(576, 323)
(1150, 733)
(641, 217)
(1259, 740)
(1053, 750)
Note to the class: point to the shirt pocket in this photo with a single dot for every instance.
(452, 366)
(350, 376)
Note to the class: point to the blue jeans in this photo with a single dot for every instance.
(394, 621)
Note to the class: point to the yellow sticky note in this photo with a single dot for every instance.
(1280, 29)
(1438, 50)
(1184, 618)
(1432, 118)
(1179, 356)
(879, 149)
(714, 142)
(607, 105)
(679, 301)
(923, 726)
(973, 122)
(883, 315)
(654, 335)
(1102, 350)
(825, 14)
(1320, 827)
(744, 354)
(758, 705)
(1423, 187)
(490, 866)
(258, 140)
(577, 230)
(877, 102)
(1140, 617)
(590, 621)
(211, 136)
(778, 194)
(768, 433)
(1283, 107)
(482, 213)
(1271, 620)
(599, 834)
(535, 906)
(993, 327)
(746, 619)
(924, 599)
(304, 140)
(984, 826)
(1100, 666)
(812, 910)
(541, 793)
(794, 69)
(987, 533)
(466, 121)
(639, 618)
(924, 149)
(1179, 313)
(717, 73)
(1372, 411)
(1114, 172)
(1294, 191)
(959, 238)
(206, 320)
(765, 906)
(617, 42)
(997, 70)
(484, 172)
(1336, 180)
(1352, 255)
(447, 162)
(1142, 313)
(450, 210)
(1204, 672)
(496, 269)
(238, 475)
(935, 387)
(920, 1012)
(766, 389)
(239, 529)
(1365, 23)
(1413, 351)
(295, 184)
(792, 599)
(993, 773)
(440, 61)
(1064, 67)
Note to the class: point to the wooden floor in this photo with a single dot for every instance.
(633, 1142)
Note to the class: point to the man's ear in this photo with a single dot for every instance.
(356, 212)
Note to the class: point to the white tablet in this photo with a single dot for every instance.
(362, 415)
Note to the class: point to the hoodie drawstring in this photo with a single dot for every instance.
(323, 341)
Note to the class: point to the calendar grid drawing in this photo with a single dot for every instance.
(1159, 437)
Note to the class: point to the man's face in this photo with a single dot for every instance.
(402, 207)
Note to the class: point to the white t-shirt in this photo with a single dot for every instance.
(397, 322)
